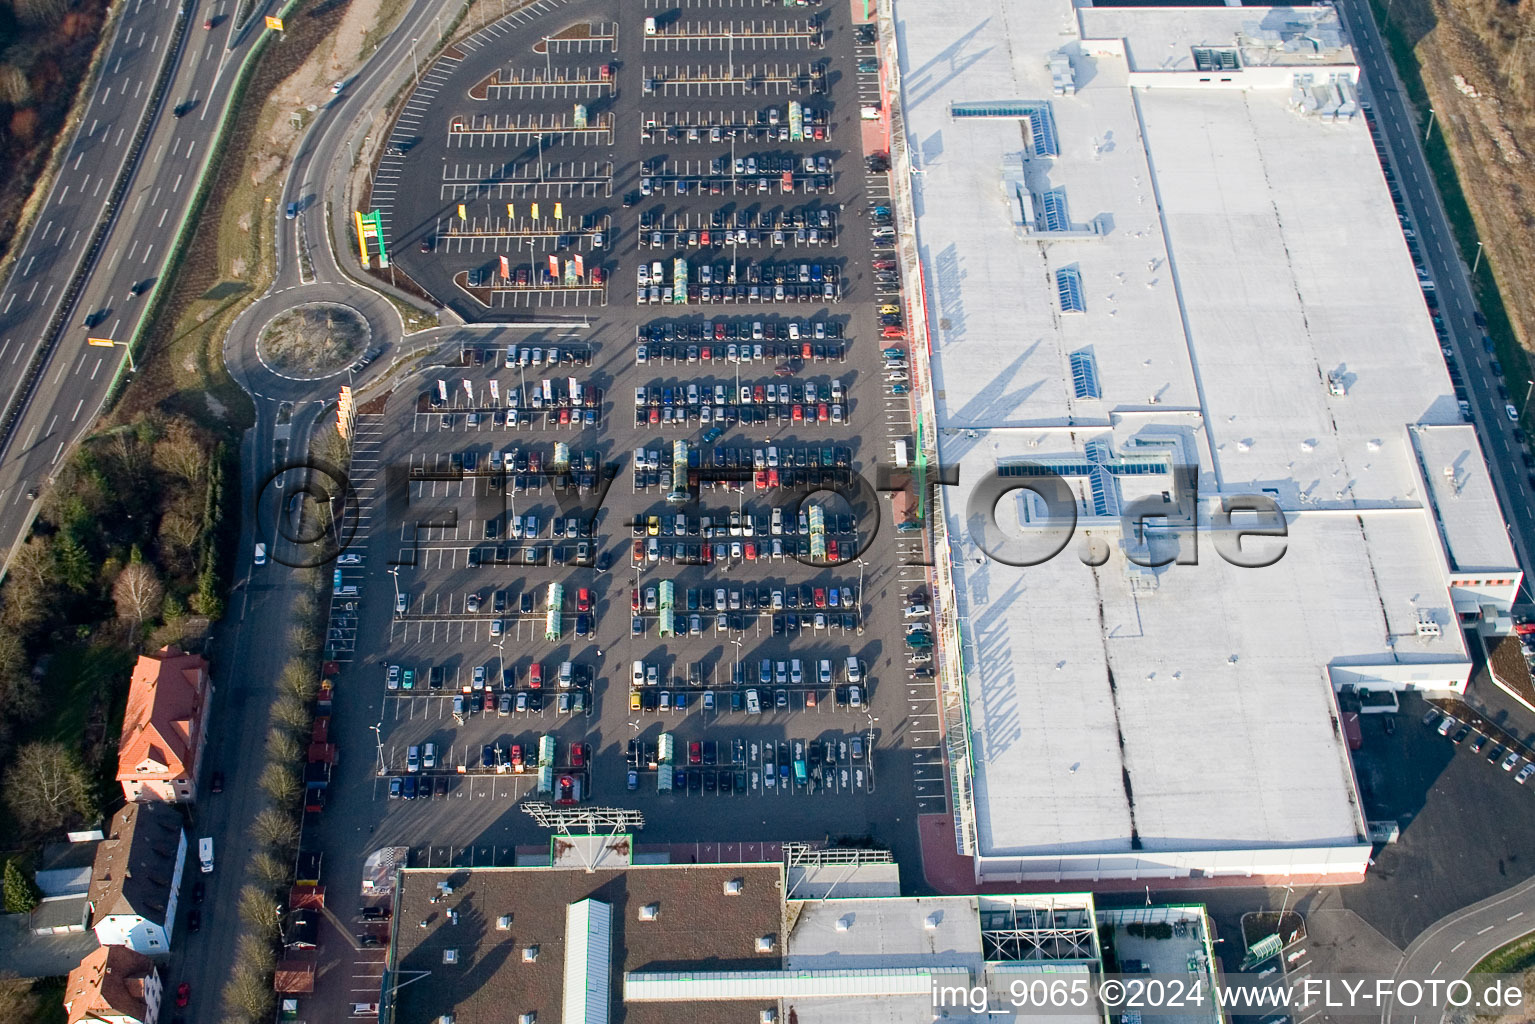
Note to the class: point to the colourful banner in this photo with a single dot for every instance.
(442, 390)
(506, 269)
(461, 214)
(580, 266)
(559, 211)
(554, 267)
(469, 388)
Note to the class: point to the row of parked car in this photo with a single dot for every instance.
(1506, 758)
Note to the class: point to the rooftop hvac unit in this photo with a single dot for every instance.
(531, 1017)
(844, 922)
(733, 887)
(931, 922)
(765, 944)
(450, 956)
(650, 911)
(504, 923)
(530, 954)
(767, 1016)
(446, 1018)
(1427, 627)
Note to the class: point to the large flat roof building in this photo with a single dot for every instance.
(1155, 238)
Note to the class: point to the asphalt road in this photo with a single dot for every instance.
(1404, 133)
(75, 377)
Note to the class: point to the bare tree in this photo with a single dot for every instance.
(180, 532)
(273, 828)
(181, 452)
(269, 871)
(298, 680)
(46, 787)
(138, 593)
(292, 712)
(282, 746)
(248, 991)
(17, 1000)
(282, 784)
(259, 909)
(14, 87)
(40, 12)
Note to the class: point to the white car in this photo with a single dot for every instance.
(639, 673)
(1511, 412)
(350, 558)
(260, 553)
(495, 627)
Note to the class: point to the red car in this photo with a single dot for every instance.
(820, 597)
(634, 593)
(892, 332)
(806, 350)
(761, 479)
(703, 238)
(183, 993)
(798, 413)
(583, 600)
(655, 415)
(751, 551)
(577, 755)
(597, 275)
(823, 412)
(695, 753)
(719, 330)
(517, 757)
(535, 676)
(607, 72)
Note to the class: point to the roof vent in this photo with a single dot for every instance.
(531, 1017)
(650, 911)
(733, 887)
(767, 1016)
(931, 922)
(450, 956)
(844, 922)
(453, 917)
(765, 944)
(504, 923)
(530, 954)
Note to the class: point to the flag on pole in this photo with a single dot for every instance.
(559, 211)
(495, 392)
(554, 267)
(510, 213)
(506, 269)
(535, 211)
(469, 388)
(442, 390)
(461, 214)
(580, 266)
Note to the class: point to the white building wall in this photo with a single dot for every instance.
(1342, 863)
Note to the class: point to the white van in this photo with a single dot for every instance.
(854, 671)
(650, 26)
(260, 553)
(901, 460)
(401, 602)
(205, 853)
(753, 703)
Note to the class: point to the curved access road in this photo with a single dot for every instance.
(1457, 942)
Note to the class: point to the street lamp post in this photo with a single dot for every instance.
(1478, 261)
(1529, 386)
(1430, 128)
(414, 62)
(378, 738)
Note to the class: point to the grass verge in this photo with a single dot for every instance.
(1513, 958)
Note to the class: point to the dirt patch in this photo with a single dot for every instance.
(1475, 61)
(315, 338)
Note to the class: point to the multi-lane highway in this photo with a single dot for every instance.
(54, 382)
(1403, 134)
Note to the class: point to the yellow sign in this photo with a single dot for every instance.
(510, 213)
(461, 214)
(559, 211)
(101, 342)
(275, 24)
(362, 240)
(535, 211)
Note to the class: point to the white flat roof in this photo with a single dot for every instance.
(1469, 518)
(1247, 291)
(901, 932)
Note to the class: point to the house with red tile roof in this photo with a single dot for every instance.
(113, 985)
(165, 727)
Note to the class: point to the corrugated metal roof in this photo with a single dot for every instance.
(588, 962)
(659, 986)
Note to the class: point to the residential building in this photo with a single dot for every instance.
(165, 726)
(113, 985)
(136, 878)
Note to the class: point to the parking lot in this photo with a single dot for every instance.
(750, 556)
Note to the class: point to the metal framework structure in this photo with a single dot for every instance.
(1026, 933)
(804, 855)
(590, 820)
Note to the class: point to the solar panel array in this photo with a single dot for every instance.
(1101, 480)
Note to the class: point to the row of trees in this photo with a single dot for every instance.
(248, 994)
